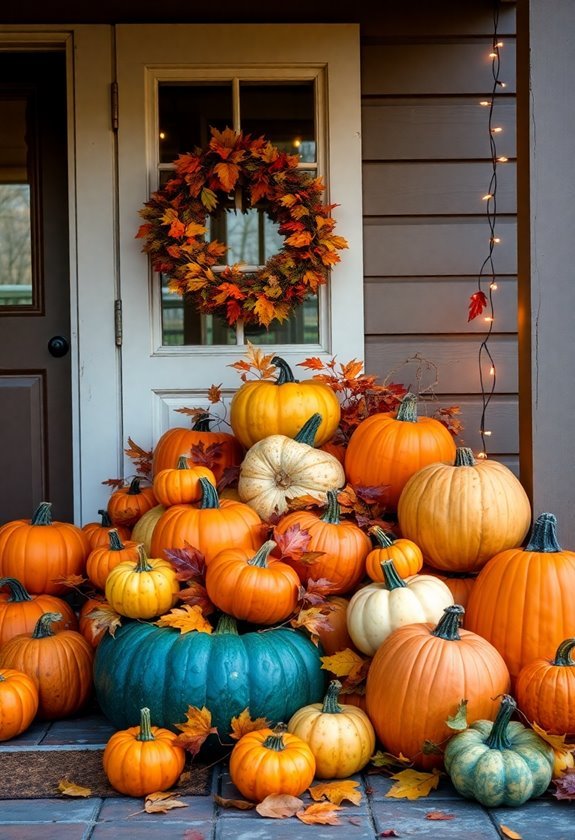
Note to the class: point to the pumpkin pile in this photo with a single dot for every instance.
(300, 632)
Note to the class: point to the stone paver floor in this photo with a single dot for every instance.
(377, 816)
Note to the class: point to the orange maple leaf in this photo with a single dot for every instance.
(312, 363)
(314, 620)
(195, 730)
(336, 792)
(265, 310)
(215, 393)
(105, 617)
(228, 173)
(161, 802)
(299, 240)
(343, 663)
(293, 542)
(186, 619)
(320, 813)
(243, 723)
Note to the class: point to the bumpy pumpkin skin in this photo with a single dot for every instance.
(500, 763)
(18, 702)
(545, 690)
(464, 512)
(272, 673)
(417, 680)
(262, 408)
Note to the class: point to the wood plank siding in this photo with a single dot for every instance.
(426, 167)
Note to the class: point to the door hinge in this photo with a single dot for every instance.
(118, 322)
(114, 105)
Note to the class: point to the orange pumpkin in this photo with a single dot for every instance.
(200, 445)
(181, 485)
(59, 663)
(128, 504)
(97, 532)
(342, 544)
(210, 527)
(521, 600)
(18, 702)
(90, 629)
(19, 611)
(545, 690)
(252, 587)
(143, 759)
(419, 676)
(333, 633)
(460, 583)
(406, 555)
(102, 560)
(386, 449)
(39, 551)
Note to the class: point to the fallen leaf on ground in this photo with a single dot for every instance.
(68, 788)
(439, 815)
(320, 813)
(413, 784)
(242, 804)
(389, 832)
(385, 759)
(336, 792)
(243, 723)
(508, 832)
(565, 785)
(279, 805)
(162, 802)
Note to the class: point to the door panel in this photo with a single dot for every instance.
(35, 385)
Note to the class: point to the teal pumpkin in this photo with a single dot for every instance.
(272, 673)
(501, 762)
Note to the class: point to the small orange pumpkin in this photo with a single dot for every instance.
(19, 611)
(128, 504)
(406, 555)
(18, 702)
(181, 485)
(545, 690)
(97, 532)
(103, 559)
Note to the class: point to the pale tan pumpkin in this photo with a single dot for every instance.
(279, 468)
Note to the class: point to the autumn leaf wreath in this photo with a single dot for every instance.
(236, 171)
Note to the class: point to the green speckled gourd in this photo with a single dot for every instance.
(501, 762)
(272, 673)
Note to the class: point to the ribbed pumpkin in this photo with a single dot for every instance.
(144, 527)
(406, 555)
(545, 690)
(279, 468)
(342, 544)
(143, 759)
(181, 485)
(377, 609)
(19, 611)
(104, 558)
(222, 449)
(500, 763)
(270, 762)
(41, 550)
(127, 504)
(463, 513)
(261, 408)
(273, 673)
(210, 526)
(386, 449)
(460, 583)
(252, 587)
(143, 589)
(97, 532)
(59, 663)
(341, 737)
(18, 702)
(419, 676)
(522, 599)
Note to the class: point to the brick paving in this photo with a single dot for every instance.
(202, 819)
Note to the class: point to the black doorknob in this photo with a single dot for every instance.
(58, 346)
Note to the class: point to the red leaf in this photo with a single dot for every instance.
(565, 785)
(293, 543)
(189, 562)
(477, 303)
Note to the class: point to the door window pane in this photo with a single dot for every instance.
(186, 114)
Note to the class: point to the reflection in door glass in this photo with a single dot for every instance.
(15, 226)
(283, 112)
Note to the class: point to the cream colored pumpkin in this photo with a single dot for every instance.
(380, 608)
(279, 468)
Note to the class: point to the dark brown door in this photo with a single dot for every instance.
(35, 374)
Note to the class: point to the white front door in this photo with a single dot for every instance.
(286, 82)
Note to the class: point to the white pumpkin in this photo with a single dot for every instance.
(380, 608)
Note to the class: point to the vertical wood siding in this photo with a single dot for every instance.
(426, 166)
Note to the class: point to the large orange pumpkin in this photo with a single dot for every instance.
(386, 449)
(419, 676)
(464, 512)
(19, 611)
(200, 445)
(522, 599)
(40, 551)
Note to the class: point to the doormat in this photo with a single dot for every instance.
(35, 774)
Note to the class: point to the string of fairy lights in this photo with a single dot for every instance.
(487, 275)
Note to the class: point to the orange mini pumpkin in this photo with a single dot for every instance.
(18, 702)
(127, 504)
(406, 555)
(181, 485)
(103, 559)
(19, 611)
(97, 532)
(545, 690)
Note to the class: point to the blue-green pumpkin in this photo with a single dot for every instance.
(273, 673)
(501, 762)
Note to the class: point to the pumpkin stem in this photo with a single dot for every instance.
(17, 591)
(330, 704)
(115, 541)
(43, 627)
(227, 624)
(134, 489)
(145, 733)
(142, 564)
(391, 578)
(202, 423)
(382, 538)
(42, 515)
(182, 463)
(275, 741)
(544, 534)
(309, 429)
(407, 411)
(464, 457)
(563, 655)
(260, 558)
(448, 625)
(105, 520)
(210, 498)
(285, 372)
(497, 738)
(333, 510)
